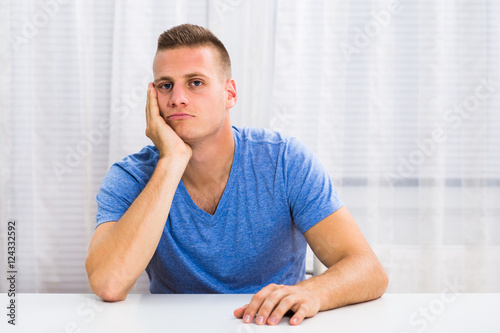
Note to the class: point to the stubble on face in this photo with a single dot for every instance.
(179, 68)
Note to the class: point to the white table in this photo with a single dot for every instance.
(57, 313)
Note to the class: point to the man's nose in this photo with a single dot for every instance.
(178, 97)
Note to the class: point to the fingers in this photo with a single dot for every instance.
(270, 304)
(299, 316)
(238, 313)
(147, 104)
(272, 297)
(152, 109)
(153, 100)
(256, 303)
(288, 302)
(153, 119)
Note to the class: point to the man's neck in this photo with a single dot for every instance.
(211, 161)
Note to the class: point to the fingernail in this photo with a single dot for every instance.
(272, 321)
(260, 320)
(247, 318)
(294, 321)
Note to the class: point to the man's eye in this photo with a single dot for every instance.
(196, 83)
(166, 86)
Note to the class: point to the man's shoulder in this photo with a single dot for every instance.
(259, 135)
(147, 156)
(139, 165)
(263, 138)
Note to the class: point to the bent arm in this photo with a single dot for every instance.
(120, 251)
(354, 274)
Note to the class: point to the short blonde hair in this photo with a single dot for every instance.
(190, 35)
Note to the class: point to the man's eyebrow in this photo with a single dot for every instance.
(187, 76)
(163, 78)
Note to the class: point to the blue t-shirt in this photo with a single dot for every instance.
(276, 191)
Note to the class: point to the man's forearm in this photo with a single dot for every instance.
(119, 256)
(353, 279)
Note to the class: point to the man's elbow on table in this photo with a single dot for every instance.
(383, 279)
(375, 278)
(105, 287)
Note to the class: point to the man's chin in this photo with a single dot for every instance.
(187, 136)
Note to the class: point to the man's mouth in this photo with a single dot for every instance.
(179, 115)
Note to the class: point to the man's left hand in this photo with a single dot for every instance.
(270, 304)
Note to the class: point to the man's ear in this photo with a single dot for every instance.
(232, 95)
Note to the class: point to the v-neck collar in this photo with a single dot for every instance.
(225, 195)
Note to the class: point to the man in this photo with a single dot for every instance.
(212, 208)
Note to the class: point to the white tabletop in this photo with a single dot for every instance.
(57, 313)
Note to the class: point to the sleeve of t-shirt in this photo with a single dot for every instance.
(118, 190)
(311, 194)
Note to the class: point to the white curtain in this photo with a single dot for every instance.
(399, 99)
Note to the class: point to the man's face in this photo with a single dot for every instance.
(193, 95)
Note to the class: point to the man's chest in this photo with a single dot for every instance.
(207, 199)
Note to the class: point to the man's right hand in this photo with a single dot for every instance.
(121, 250)
(163, 136)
